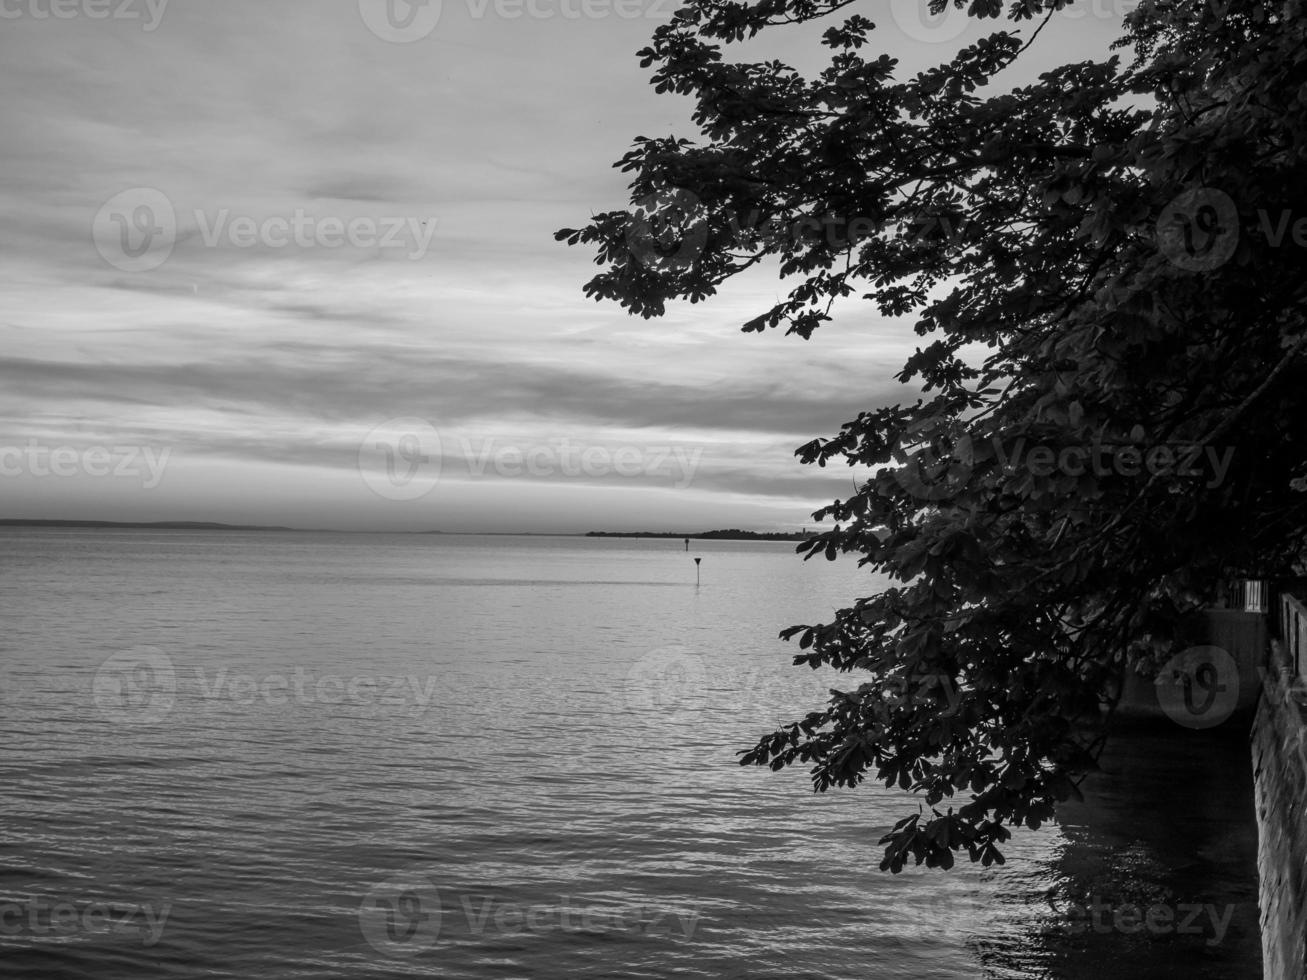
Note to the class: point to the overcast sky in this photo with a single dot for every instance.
(292, 262)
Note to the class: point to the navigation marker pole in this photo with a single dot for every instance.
(696, 572)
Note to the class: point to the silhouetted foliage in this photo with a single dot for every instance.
(1101, 262)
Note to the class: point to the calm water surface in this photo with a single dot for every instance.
(317, 755)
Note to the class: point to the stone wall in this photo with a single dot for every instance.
(1279, 750)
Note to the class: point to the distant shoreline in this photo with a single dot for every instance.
(143, 525)
(731, 535)
(727, 535)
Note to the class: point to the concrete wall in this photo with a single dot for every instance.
(1279, 750)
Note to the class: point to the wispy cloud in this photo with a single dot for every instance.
(260, 360)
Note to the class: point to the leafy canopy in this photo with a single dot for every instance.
(1093, 265)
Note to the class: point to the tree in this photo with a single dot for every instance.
(1102, 267)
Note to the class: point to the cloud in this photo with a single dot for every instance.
(261, 366)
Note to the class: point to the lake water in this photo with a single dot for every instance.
(318, 755)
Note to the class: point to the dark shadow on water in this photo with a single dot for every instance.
(1158, 876)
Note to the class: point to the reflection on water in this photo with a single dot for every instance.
(1155, 875)
(428, 756)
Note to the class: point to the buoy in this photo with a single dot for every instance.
(696, 570)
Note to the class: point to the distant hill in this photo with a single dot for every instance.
(733, 534)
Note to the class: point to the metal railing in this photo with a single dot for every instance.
(1293, 631)
(1248, 595)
